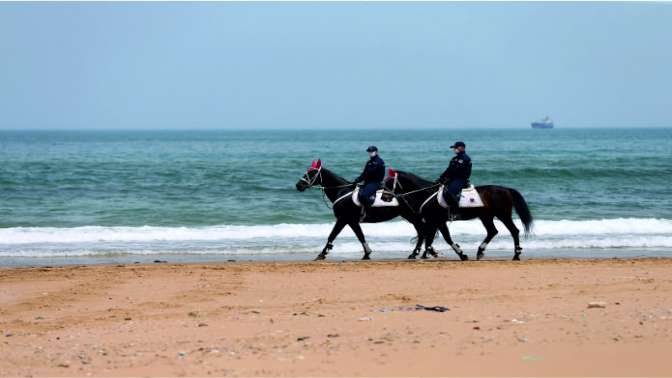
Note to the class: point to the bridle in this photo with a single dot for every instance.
(312, 181)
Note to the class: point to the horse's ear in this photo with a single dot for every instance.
(319, 164)
(391, 172)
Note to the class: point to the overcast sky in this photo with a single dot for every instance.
(334, 65)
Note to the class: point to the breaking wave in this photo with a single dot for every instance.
(391, 237)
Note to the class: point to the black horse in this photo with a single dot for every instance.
(339, 191)
(418, 195)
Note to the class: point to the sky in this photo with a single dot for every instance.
(334, 65)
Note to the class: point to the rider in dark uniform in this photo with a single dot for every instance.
(372, 176)
(456, 176)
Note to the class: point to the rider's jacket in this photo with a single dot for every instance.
(374, 171)
(459, 168)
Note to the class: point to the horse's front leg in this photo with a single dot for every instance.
(418, 244)
(338, 227)
(456, 247)
(360, 235)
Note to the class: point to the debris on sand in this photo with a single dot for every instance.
(302, 338)
(365, 319)
(597, 304)
(432, 308)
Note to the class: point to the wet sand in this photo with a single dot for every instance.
(339, 318)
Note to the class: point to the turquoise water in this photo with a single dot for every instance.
(227, 193)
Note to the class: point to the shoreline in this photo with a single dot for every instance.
(446, 255)
(258, 318)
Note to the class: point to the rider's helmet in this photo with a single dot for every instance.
(458, 144)
(372, 149)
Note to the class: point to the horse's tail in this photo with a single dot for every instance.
(522, 209)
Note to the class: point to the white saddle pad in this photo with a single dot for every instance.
(469, 197)
(378, 202)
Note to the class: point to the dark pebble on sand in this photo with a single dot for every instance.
(160, 261)
(302, 338)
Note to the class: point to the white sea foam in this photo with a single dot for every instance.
(391, 237)
(572, 228)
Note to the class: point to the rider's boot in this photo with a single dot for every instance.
(453, 206)
(365, 209)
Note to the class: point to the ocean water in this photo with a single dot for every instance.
(104, 196)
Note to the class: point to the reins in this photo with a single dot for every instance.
(403, 195)
(417, 190)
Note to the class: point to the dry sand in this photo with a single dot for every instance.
(339, 318)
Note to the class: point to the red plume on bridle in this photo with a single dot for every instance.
(391, 172)
(315, 165)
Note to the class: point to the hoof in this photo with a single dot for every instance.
(412, 256)
(321, 256)
(479, 255)
(464, 257)
(516, 257)
(424, 256)
(367, 257)
(430, 251)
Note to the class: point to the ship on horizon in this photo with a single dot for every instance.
(545, 123)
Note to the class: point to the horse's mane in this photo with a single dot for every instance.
(415, 179)
(335, 176)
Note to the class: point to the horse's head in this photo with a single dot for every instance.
(312, 176)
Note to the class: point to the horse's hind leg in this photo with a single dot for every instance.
(456, 247)
(492, 231)
(430, 234)
(517, 249)
(338, 227)
(360, 235)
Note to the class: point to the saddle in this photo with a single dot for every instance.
(383, 198)
(469, 197)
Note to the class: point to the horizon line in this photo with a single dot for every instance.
(301, 128)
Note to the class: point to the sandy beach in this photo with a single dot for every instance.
(537, 317)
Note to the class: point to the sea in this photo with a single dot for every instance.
(88, 197)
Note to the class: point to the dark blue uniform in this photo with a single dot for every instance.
(372, 176)
(456, 176)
